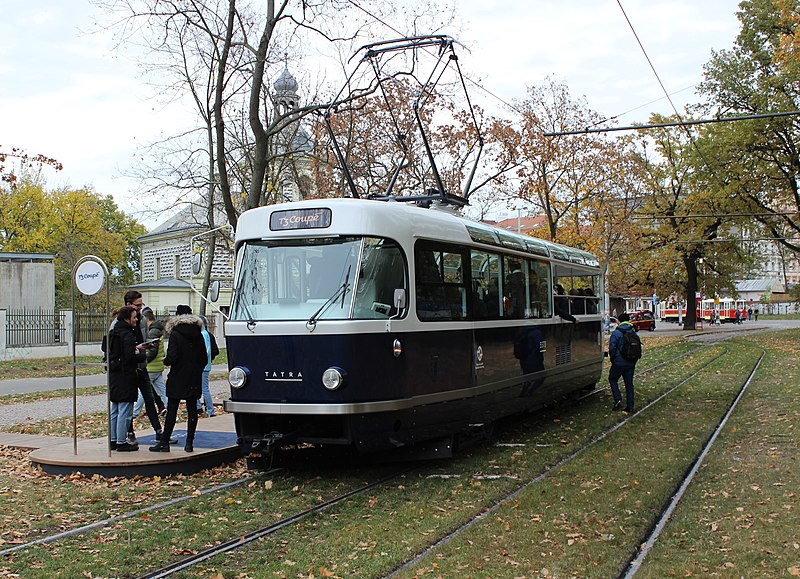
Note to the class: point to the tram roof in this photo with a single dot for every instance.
(397, 220)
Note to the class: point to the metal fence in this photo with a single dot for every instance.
(49, 327)
(35, 328)
(90, 327)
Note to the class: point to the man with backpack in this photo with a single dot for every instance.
(624, 350)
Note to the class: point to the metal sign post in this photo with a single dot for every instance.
(89, 274)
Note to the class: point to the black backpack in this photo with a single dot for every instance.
(631, 346)
(114, 351)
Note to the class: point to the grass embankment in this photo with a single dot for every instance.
(584, 519)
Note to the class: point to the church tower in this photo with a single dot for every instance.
(293, 143)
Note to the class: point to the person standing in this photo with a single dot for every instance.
(124, 356)
(133, 298)
(623, 363)
(186, 357)
(155, 359)
(212, 351)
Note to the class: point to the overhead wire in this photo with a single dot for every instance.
(647, 57)
(513, 107)
(474, 83)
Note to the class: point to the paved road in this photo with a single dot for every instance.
(724, 331)
(61, 407)
(11, 414)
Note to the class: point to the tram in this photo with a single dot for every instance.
(724, 309)
(381, 325)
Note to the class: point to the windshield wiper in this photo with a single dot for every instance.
(340, 291)
(242, 303)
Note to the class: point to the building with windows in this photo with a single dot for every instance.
(166, 255)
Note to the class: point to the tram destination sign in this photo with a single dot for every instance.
(300, 219)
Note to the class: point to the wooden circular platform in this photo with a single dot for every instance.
(214, 444)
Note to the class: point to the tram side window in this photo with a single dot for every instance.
(382, 271)
(581, 288)
(441, 292)
(487, 285)
(539, 302)
(516, 294)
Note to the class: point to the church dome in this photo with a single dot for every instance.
(285, 83)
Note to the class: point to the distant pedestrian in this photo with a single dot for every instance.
(212, 351)
(749, 313)
(755, 313)
(186, 357)
(622, 350)
(124, 355)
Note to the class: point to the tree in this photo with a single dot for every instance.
(220, 54)
(689, 200)
(760, 75)
(69, 224)
(27, 163)
(566, 178)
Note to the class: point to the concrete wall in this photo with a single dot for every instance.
(27, 285)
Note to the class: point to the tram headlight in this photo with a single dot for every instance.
(237, 377)
(333, 378)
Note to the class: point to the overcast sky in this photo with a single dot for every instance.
(68, 95)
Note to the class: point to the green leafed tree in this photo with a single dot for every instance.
(686, 245)
(760, 75)
(69, 224)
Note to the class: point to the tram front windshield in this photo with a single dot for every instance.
(318, 279)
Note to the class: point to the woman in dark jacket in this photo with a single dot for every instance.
(123, 357)
(186, 357)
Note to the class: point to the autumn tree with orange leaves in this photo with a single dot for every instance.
(382, 145)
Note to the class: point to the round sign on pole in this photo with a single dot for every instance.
(89, 277)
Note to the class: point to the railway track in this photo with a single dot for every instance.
(241, 540)
(267, 530)
(524, 485)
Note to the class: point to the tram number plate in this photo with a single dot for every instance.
(300, 219)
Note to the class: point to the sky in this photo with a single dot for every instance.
(68, 94)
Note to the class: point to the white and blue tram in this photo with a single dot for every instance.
(380, 325)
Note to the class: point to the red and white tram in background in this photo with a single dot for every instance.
(724, 310)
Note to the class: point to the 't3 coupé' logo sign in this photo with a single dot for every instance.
(300, 219)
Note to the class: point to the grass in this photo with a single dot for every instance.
(584, 519)
(49, 395)
(59, 367)
(48, 368)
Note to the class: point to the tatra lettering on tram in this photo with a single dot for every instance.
(389, 322)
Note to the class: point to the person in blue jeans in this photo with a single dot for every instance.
(124, 355)
(620, 367)
(212, 350)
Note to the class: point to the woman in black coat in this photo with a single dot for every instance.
(123, 357)
(186, 357)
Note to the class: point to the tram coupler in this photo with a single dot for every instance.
(260, 451)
